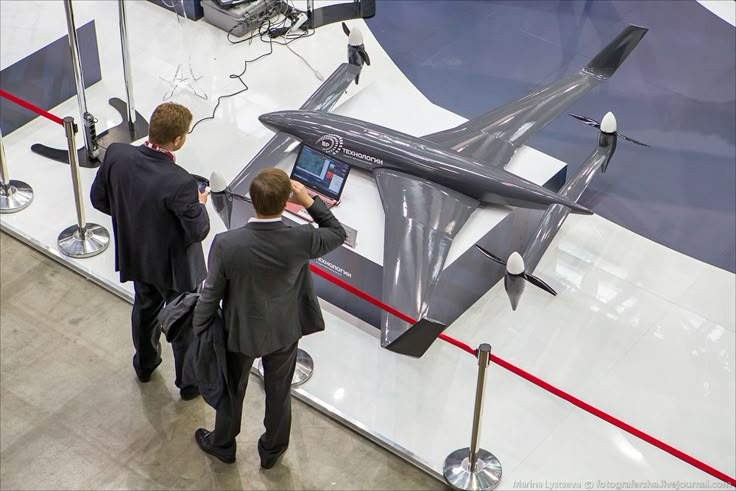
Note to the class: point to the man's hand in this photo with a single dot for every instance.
(300, 195)
(203, 195)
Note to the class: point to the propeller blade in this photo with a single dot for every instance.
(364, 55)
(586, 120)
(632, 140)
(345, 29)
(491, 256)
(538, 283)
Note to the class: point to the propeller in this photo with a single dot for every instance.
(515, 276)
(357, 55)
(218, 186)
(596, 124)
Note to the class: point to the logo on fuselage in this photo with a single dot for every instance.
(330, 144)
(362, 156)
(333, 144)
(334, 267)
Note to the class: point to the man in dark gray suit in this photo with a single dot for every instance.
(159, 222)
(261, 272)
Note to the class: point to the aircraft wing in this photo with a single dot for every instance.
(323, 100)
(555, 215)
(493, 137)
(422, 219)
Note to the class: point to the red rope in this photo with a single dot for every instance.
(31, 107)
(614, 421)
(459, 344)
(539, 382)
(383, 306)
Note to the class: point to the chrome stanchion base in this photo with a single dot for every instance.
(303, 371)
(73, 243)
(15, 197)
(457, 472)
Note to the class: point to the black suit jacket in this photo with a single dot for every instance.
(261, 271)
(157, 219)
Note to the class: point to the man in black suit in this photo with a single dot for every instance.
(159, 221)
(261, 272)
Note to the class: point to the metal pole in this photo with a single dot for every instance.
(87, 120)
(83, 239)
(126, 66)
(14, 195)
(473, 468)
(484, 358)
(302, 372)
(4, 179)
(74, 165)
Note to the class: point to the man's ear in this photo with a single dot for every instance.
(177, 141)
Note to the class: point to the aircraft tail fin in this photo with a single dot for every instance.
(605, 63)
(416, 340)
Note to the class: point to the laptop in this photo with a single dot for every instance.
(322, 175)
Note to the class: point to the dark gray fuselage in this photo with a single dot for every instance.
(369, 146)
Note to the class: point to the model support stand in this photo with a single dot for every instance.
(184, 72)
(83, 239)
(474, 468)
(133, 127)
(14, 195)
(303, 371)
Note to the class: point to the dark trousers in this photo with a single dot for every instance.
(278, 372)
(149, 301)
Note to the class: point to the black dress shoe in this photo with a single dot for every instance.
(144, 376)
(272, 461)
(189, 393)
(225, 455)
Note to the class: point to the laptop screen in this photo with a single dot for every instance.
(320, 172)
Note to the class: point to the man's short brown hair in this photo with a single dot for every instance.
(168, 121)
(269, 191)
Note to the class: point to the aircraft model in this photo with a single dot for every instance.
(429, 185)
(519, 267)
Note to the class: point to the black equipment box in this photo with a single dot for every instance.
(243, 18)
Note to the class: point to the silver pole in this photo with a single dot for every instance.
(473, 468)
(302, 372)
(74, 164)
(85, 118)
(484, 358)
(126, 65)
(14, 195)
(83, 239)
(4, 179)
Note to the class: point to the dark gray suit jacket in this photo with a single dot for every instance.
(157, 220)
(261, 272)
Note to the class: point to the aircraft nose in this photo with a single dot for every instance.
(273, 121)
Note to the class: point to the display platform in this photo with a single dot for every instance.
(641, 331)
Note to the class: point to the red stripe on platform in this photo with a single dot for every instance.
(614, 421)
(31, 107)
(540, 383)
(368, 298)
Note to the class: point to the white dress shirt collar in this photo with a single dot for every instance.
(264, 220)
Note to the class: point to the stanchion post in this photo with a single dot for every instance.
(87, 120)
(303, 370)
(127, 67)
(14, 195)
(83, 239)
(473, 468)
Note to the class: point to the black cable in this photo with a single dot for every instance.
(260, 33)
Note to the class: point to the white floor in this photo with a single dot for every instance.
(640, 331)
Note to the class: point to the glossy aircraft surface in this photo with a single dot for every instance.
(430, 185)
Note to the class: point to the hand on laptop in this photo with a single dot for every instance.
(299, 194)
